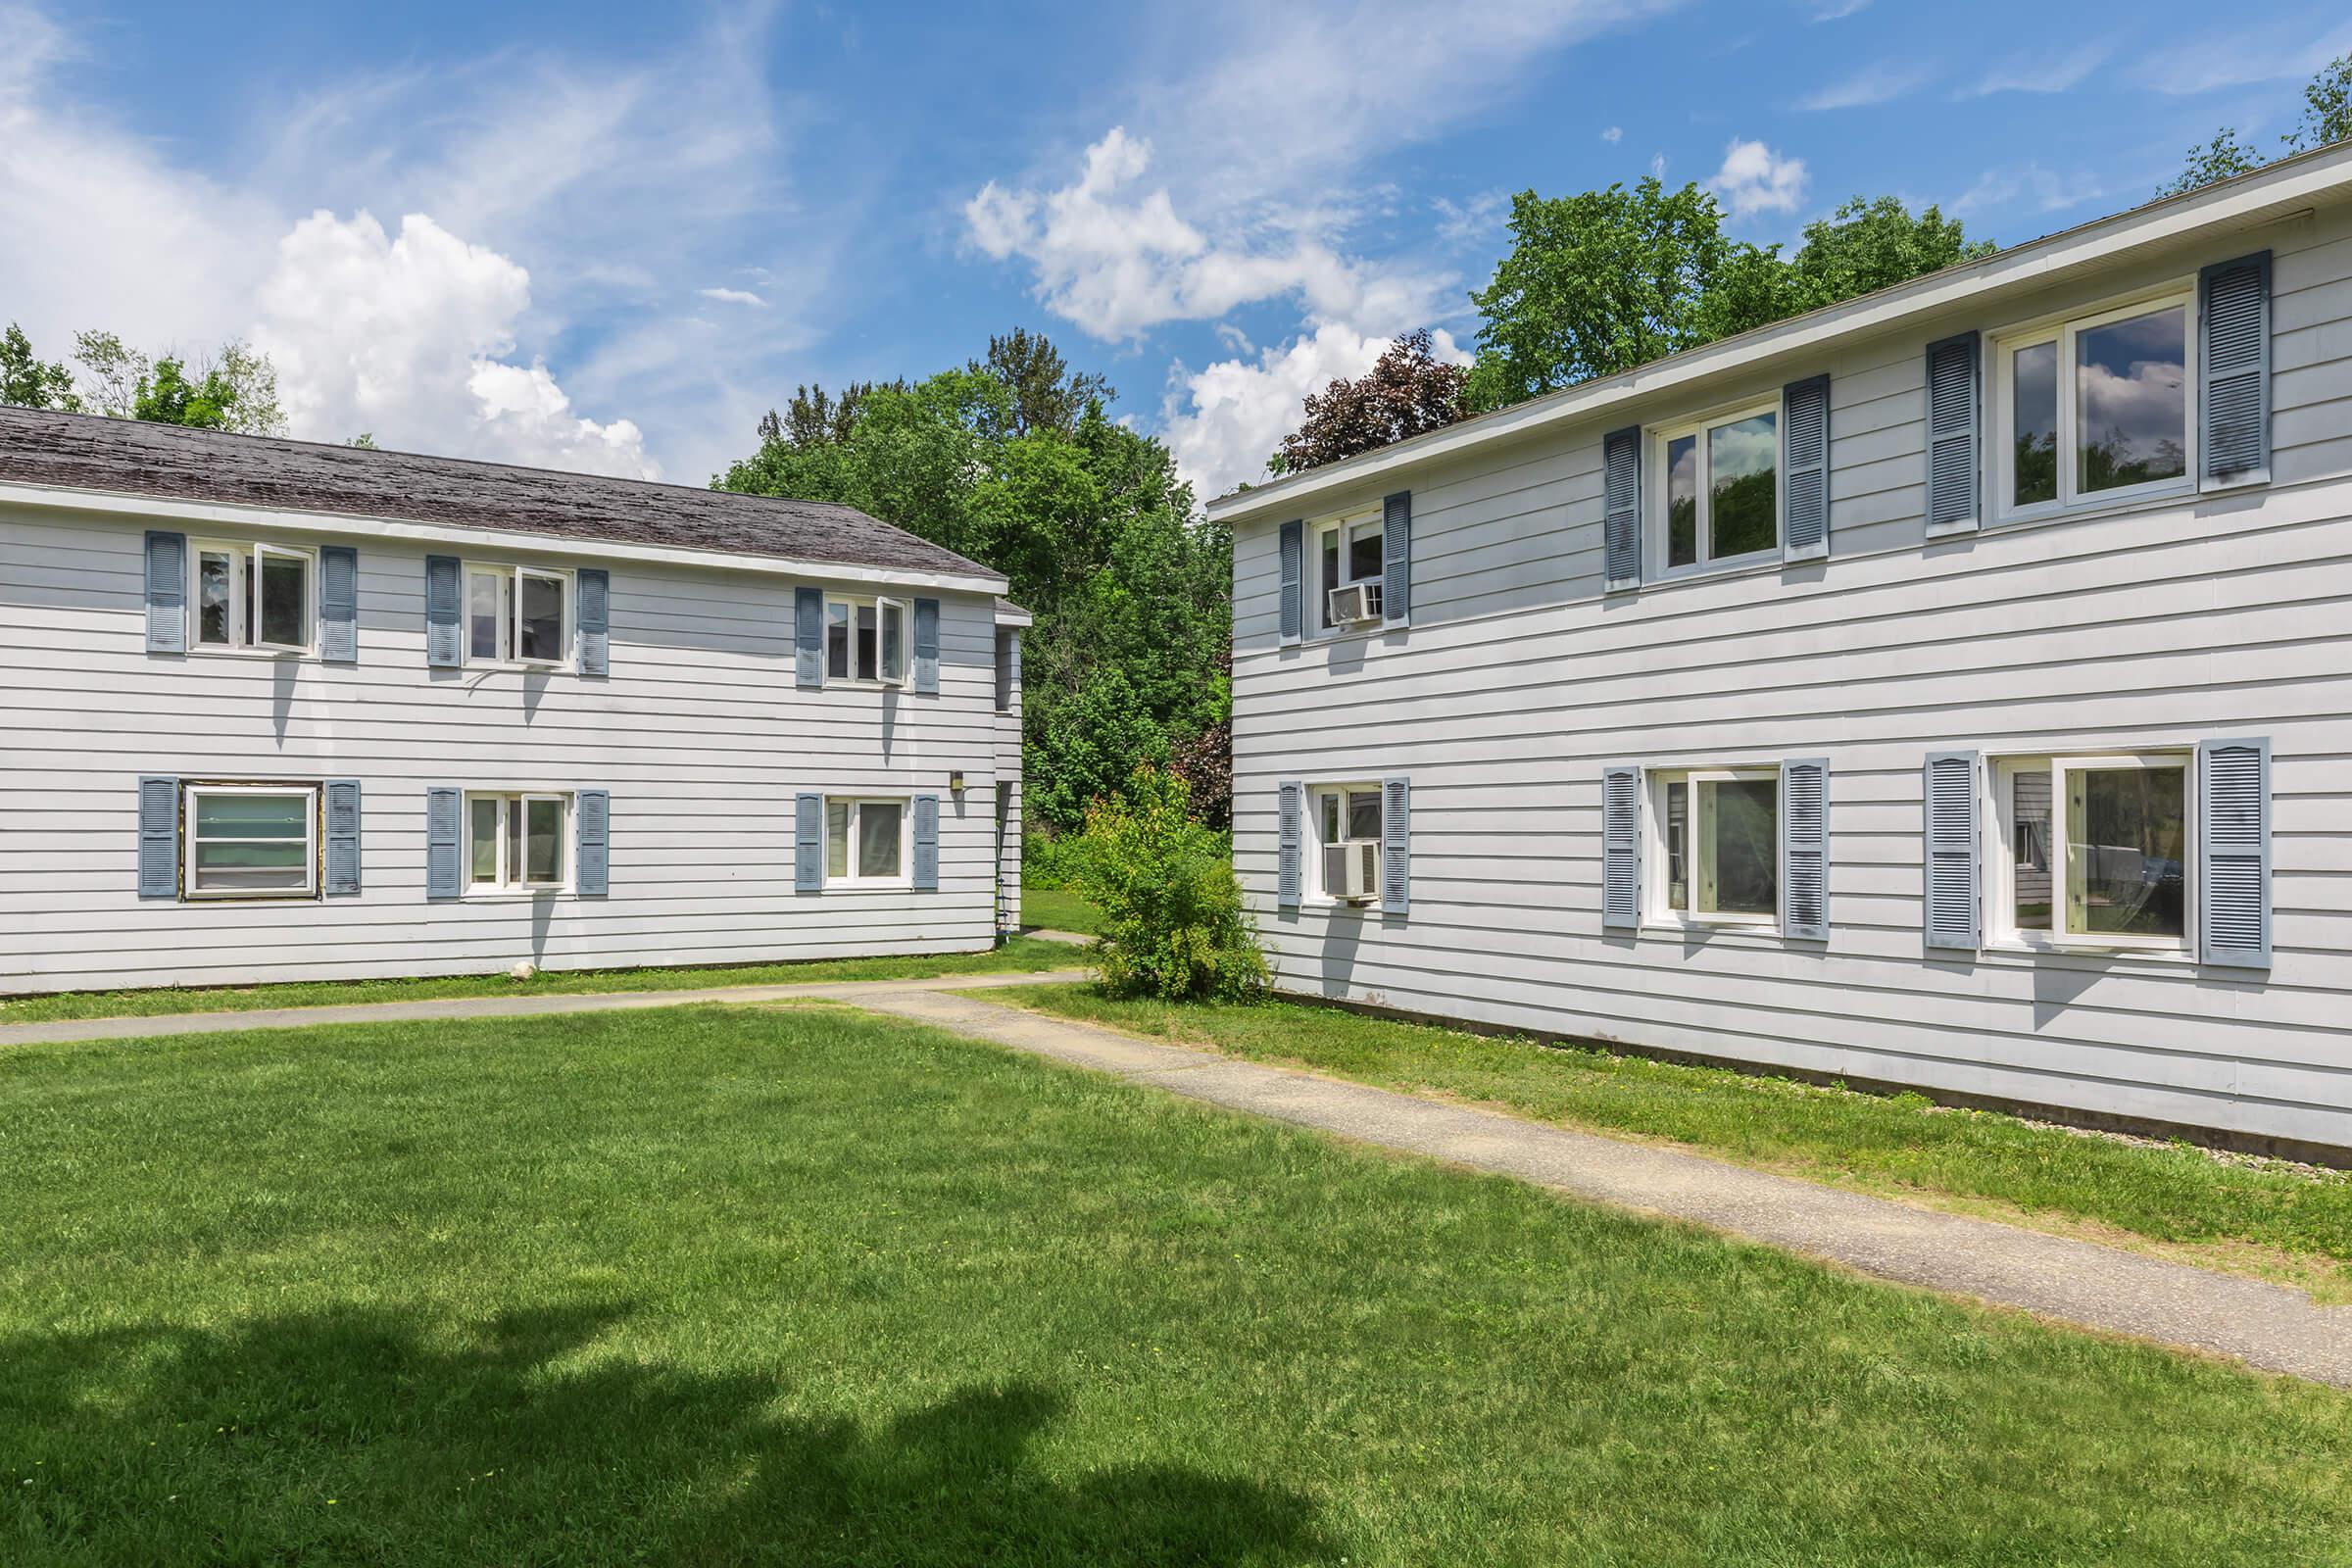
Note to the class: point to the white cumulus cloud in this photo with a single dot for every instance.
(1754, 178)
(1614, 133)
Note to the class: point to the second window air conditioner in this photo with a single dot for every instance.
(1355, 604)
(1351, 871)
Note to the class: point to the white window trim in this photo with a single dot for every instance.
(256, 551)
(1344, 526)
(1656, 910)
(1315, 843)
(2062, 329)
(1656, 440)
(2002, 929)
(850, 879)
(192, 792)
(878, 681)
(508, 576)
(511, 800)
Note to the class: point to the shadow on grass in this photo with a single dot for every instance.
(363, 1435)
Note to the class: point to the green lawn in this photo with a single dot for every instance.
(1058, 909)
(721, 1284)
(2268, 1217)
(1019, 955)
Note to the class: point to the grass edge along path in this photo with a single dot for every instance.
(1015, 956)
(2275, 1220)
(707, 1283)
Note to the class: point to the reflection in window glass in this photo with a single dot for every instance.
(543, 841)
(1743, 482)
(2125, 851)
(879, 838)
(2033, 375)
(213, 600)
(1682, 501)
(2029, 848)
(2132, 402)
(1331, 572)
(481, 837)
(836, 641)
(837, 838)
(1738, 846)
(1363, 554)
(482, 594)
(894, 642)
(1678, 845)
(285, 600)
(539, 619)
(250, 842)
(869, 634)
(1364, 814)
(1331, 817)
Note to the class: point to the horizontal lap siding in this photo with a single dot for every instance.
(1518, 682)
(699, 732)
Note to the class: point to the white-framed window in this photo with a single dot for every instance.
(1715, 846)
(1350, 569)
(865, 639)
(518, 615)
(866, 842)
(1718, 499)
(2095, 849)
(1346, 821)
(518, 842)
(249, 840)
(2097, 407)
(250, 596)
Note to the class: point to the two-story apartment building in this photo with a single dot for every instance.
(1951, 688)
(273, 710)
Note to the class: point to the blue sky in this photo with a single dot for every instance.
(608, 236)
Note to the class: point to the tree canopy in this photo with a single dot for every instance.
(235, 389)
(1408, 390)
(27, 383)
(2326, 118)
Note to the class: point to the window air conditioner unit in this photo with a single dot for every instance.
(1355, 604)
(1351, 871)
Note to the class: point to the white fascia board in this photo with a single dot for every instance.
(2280, 190)
(492, 541)
(1014, 615)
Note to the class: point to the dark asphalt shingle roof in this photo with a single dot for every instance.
(125, 456)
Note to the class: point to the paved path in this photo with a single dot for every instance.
(1075, 939)
(2073, 1282)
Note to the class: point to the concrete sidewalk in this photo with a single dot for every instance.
(2071, 1282)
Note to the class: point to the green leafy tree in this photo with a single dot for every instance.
(234, 390)
(1173, 922)
(2326, 118)
(1869, 245)
(27, 382)
(1408, 391)
(1047, 394)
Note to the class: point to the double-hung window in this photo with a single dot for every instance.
(2095, 850)
(1720, 499)
(2096, 409)
(1347, 837)
(1349, 572)
(514, 843)
(250, 841)
(865, 843)
(865, 640)
(1716, 846)
(518, 615)
(260, 597)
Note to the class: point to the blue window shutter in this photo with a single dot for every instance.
(2233, 392)
(443, 649)
(167, 592)
(339, 603)
(1950, 787)
(595, 603)
(1806, 468)
(1396, 559)
(1805, 849)
(1621, 847)
(809, 636)
(1290, 809)
(1621, 509)
(1293, 580)
(342, 837)
(2234, 852)
(159, 838)
(592, 828)
(926, 843)
(1953, 419)
(807, 843)
(926, 645)
(1395, 845)
(444, 810)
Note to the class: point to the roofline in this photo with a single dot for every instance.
(2276, 190)
(365, 526)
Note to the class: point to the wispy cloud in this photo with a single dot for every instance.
(1882, 84)
(2039, 72)
(2031, 187)
(1615, 133)
(734, 296)
(1833, 9)
(2257, 52)
(1474, 221)
(1755, 179)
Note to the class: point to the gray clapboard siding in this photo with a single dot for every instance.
(698, 733)
(2160, 626)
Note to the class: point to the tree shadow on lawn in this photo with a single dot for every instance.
(363, 1435)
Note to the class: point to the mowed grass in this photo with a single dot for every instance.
(796, 1285)
(2265, 1217)
(1058, 909)
(1017, 956)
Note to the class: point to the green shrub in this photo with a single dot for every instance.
(1173, 925)
(1049, 860)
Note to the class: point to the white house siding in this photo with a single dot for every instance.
(1518, 681)
(1008, 775)
(699, 732)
